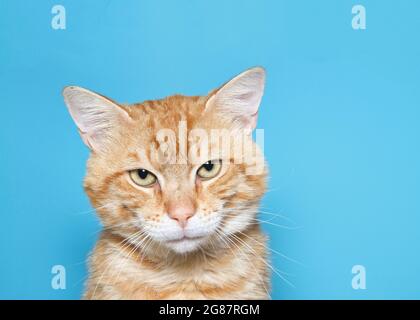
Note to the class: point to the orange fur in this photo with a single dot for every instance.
(224, 266)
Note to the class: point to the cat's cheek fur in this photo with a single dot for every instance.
(238, 223)
(202, 225)
(162, 229)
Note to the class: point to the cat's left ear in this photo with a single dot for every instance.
(240, 98)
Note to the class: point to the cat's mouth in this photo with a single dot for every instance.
(185, 238)
(185, 244)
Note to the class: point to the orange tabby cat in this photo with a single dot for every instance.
(179, 210)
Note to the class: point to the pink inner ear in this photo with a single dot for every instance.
(93, 114)
(253, 120)
(250, 100)
(85, 139)
(240, 98)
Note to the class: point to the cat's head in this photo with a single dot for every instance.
(179, 173)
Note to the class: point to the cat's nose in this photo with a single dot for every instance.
(181, 212)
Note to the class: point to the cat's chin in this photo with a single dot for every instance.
(185, 245)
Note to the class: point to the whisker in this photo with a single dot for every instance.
(274, 251)
(93, 209)
(278, 272)
(278, 215)
(145, 246)
(136, 246)
(125, 243)
(249, 261)
(275, 224)
(233, 214)
(265, 262)
(258, 210)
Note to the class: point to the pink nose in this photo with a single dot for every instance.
(181, 212)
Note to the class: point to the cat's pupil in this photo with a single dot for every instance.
(143, 173)
(208, 166)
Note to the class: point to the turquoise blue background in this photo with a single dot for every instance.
(341, 118)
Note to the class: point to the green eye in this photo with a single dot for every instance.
(210, 169)
(142, 177)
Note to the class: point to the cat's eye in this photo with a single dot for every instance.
(143, 177)
(210, 169)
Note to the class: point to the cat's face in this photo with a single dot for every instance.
(170, 172)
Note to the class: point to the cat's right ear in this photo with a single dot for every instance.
(239, 99)
(95, 116)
